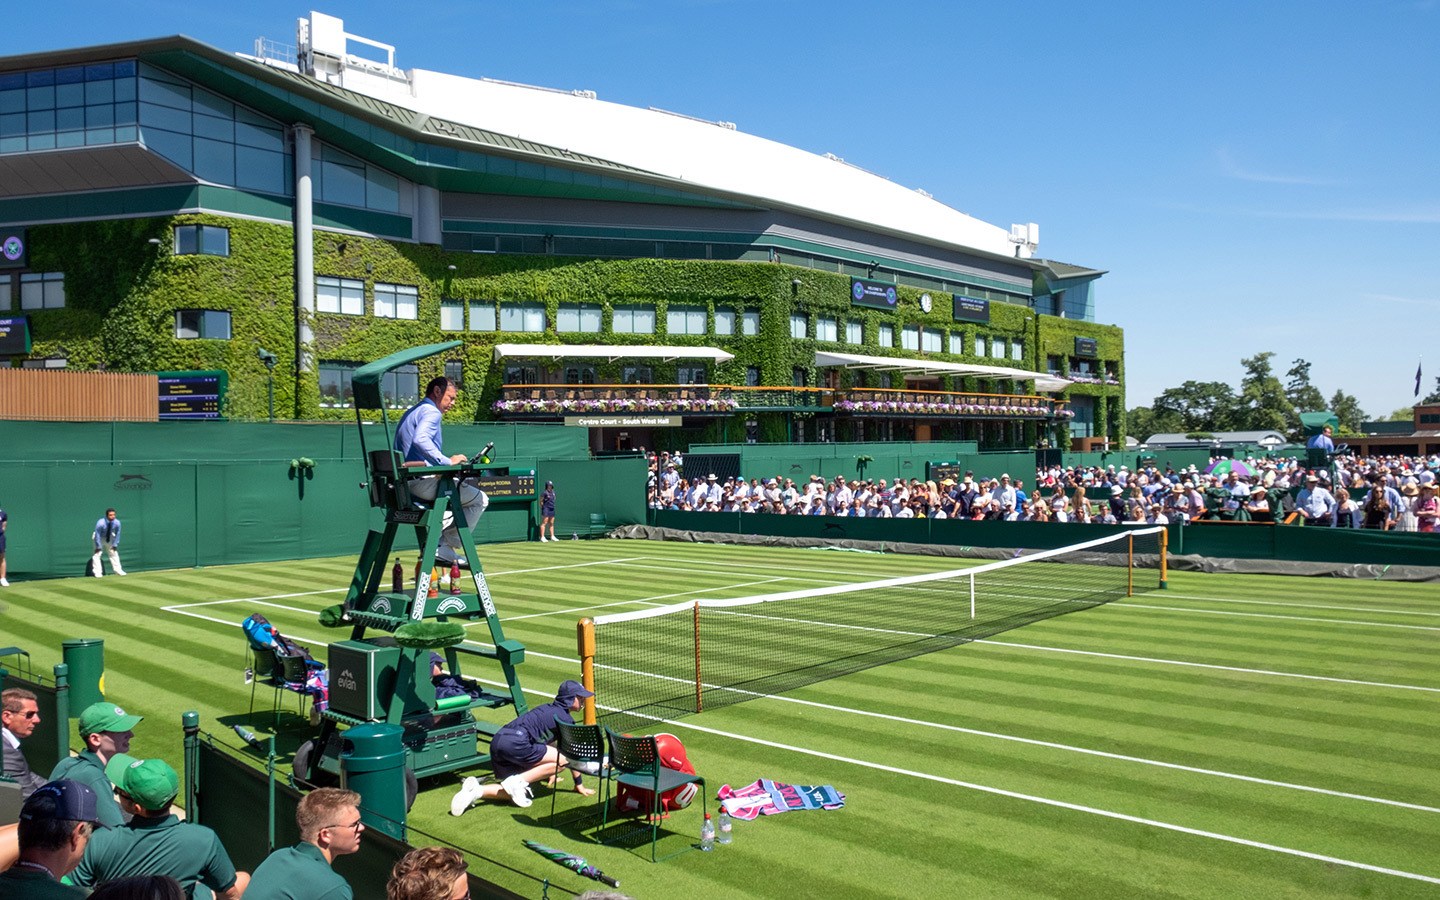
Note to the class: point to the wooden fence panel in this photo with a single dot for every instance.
(51, 395)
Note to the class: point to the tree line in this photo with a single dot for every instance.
(1263, 403)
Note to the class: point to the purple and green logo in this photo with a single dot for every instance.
(13, 248)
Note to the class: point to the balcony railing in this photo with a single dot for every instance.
(548, 401)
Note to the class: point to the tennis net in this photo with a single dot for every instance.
(678, 660)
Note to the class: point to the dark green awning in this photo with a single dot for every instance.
(366, 381)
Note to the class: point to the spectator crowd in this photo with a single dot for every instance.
(1392, 493)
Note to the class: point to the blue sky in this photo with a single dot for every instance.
(1254, 176)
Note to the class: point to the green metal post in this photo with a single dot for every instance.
(86, 659)
(62, 708)
(190, 723)
(270, 781)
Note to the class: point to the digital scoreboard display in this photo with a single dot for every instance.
(191, 395)
(502, 487)
(14, 336)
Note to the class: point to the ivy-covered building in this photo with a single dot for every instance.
(287, 215)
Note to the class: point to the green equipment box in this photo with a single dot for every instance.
(362, 678)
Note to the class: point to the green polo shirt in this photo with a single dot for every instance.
(31, 884)
(187, 852)
(88, 769)
(297, 873)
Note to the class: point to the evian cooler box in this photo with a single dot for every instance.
(362, 678)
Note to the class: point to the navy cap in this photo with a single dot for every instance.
(436, 659)
(571, 689)
(61, 800)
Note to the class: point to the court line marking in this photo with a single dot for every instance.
(1179, 662)
(651, 600)
(1225, 612)
(1048, 801)
(972, 731)
(347, 587)
(1282, 604)
(984, 788)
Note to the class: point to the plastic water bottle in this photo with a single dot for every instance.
(724, 834)
(707, 834)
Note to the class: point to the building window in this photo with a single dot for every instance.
(580, 375)
(42, 290)
(750, 323)
(957, 343)
(206, 240)
(583, 318)
(452, 315)
(854, 332)
(691, 375)
(724, 321)
(399, 387)
(637, 375)
(482, 315)
(1017, 349)
(6, 286)
(980, 345)
(930, 340)
(397, 301)
(800, 376)
(336, 383)
(827, 329)
(1112, 372)
(1054, 365)
(49, 362)
(519, 374)
(343, 179)
(210, 324)
(799, 326)
(455, 371)
(910, 337)
(752, 376)
(887, 336)
(522, 317)
(685, 320)
(340, 295)
(997, 348)
(633, 320)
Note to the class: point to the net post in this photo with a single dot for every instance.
(1130, 566)
(699, 698)
(1164, 548)
(585, 645)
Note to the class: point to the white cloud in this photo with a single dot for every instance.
(1230, 168)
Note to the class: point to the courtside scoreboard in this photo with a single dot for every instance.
(192, 395)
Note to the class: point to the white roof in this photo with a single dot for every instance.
(705, 154)
(1043, 382)
(610, 352)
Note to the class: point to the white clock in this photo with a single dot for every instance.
(925, 303)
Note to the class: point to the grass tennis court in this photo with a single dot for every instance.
(1230, 736)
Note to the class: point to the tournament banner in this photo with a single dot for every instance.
(972, 309)
(874, 294)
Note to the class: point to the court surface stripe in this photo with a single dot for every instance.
(1280, 603)
(1046, 801)
(1225, 612)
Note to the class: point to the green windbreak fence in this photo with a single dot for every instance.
(202, 494)
(1216, 541)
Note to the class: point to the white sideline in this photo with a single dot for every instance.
(1179, 662)
(1281, 604)
(652, 600)
(1225, 612)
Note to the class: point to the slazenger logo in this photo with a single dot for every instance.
(381, 605)
(422, 590)
(483, 589)
(134, 483)
(346, 680)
